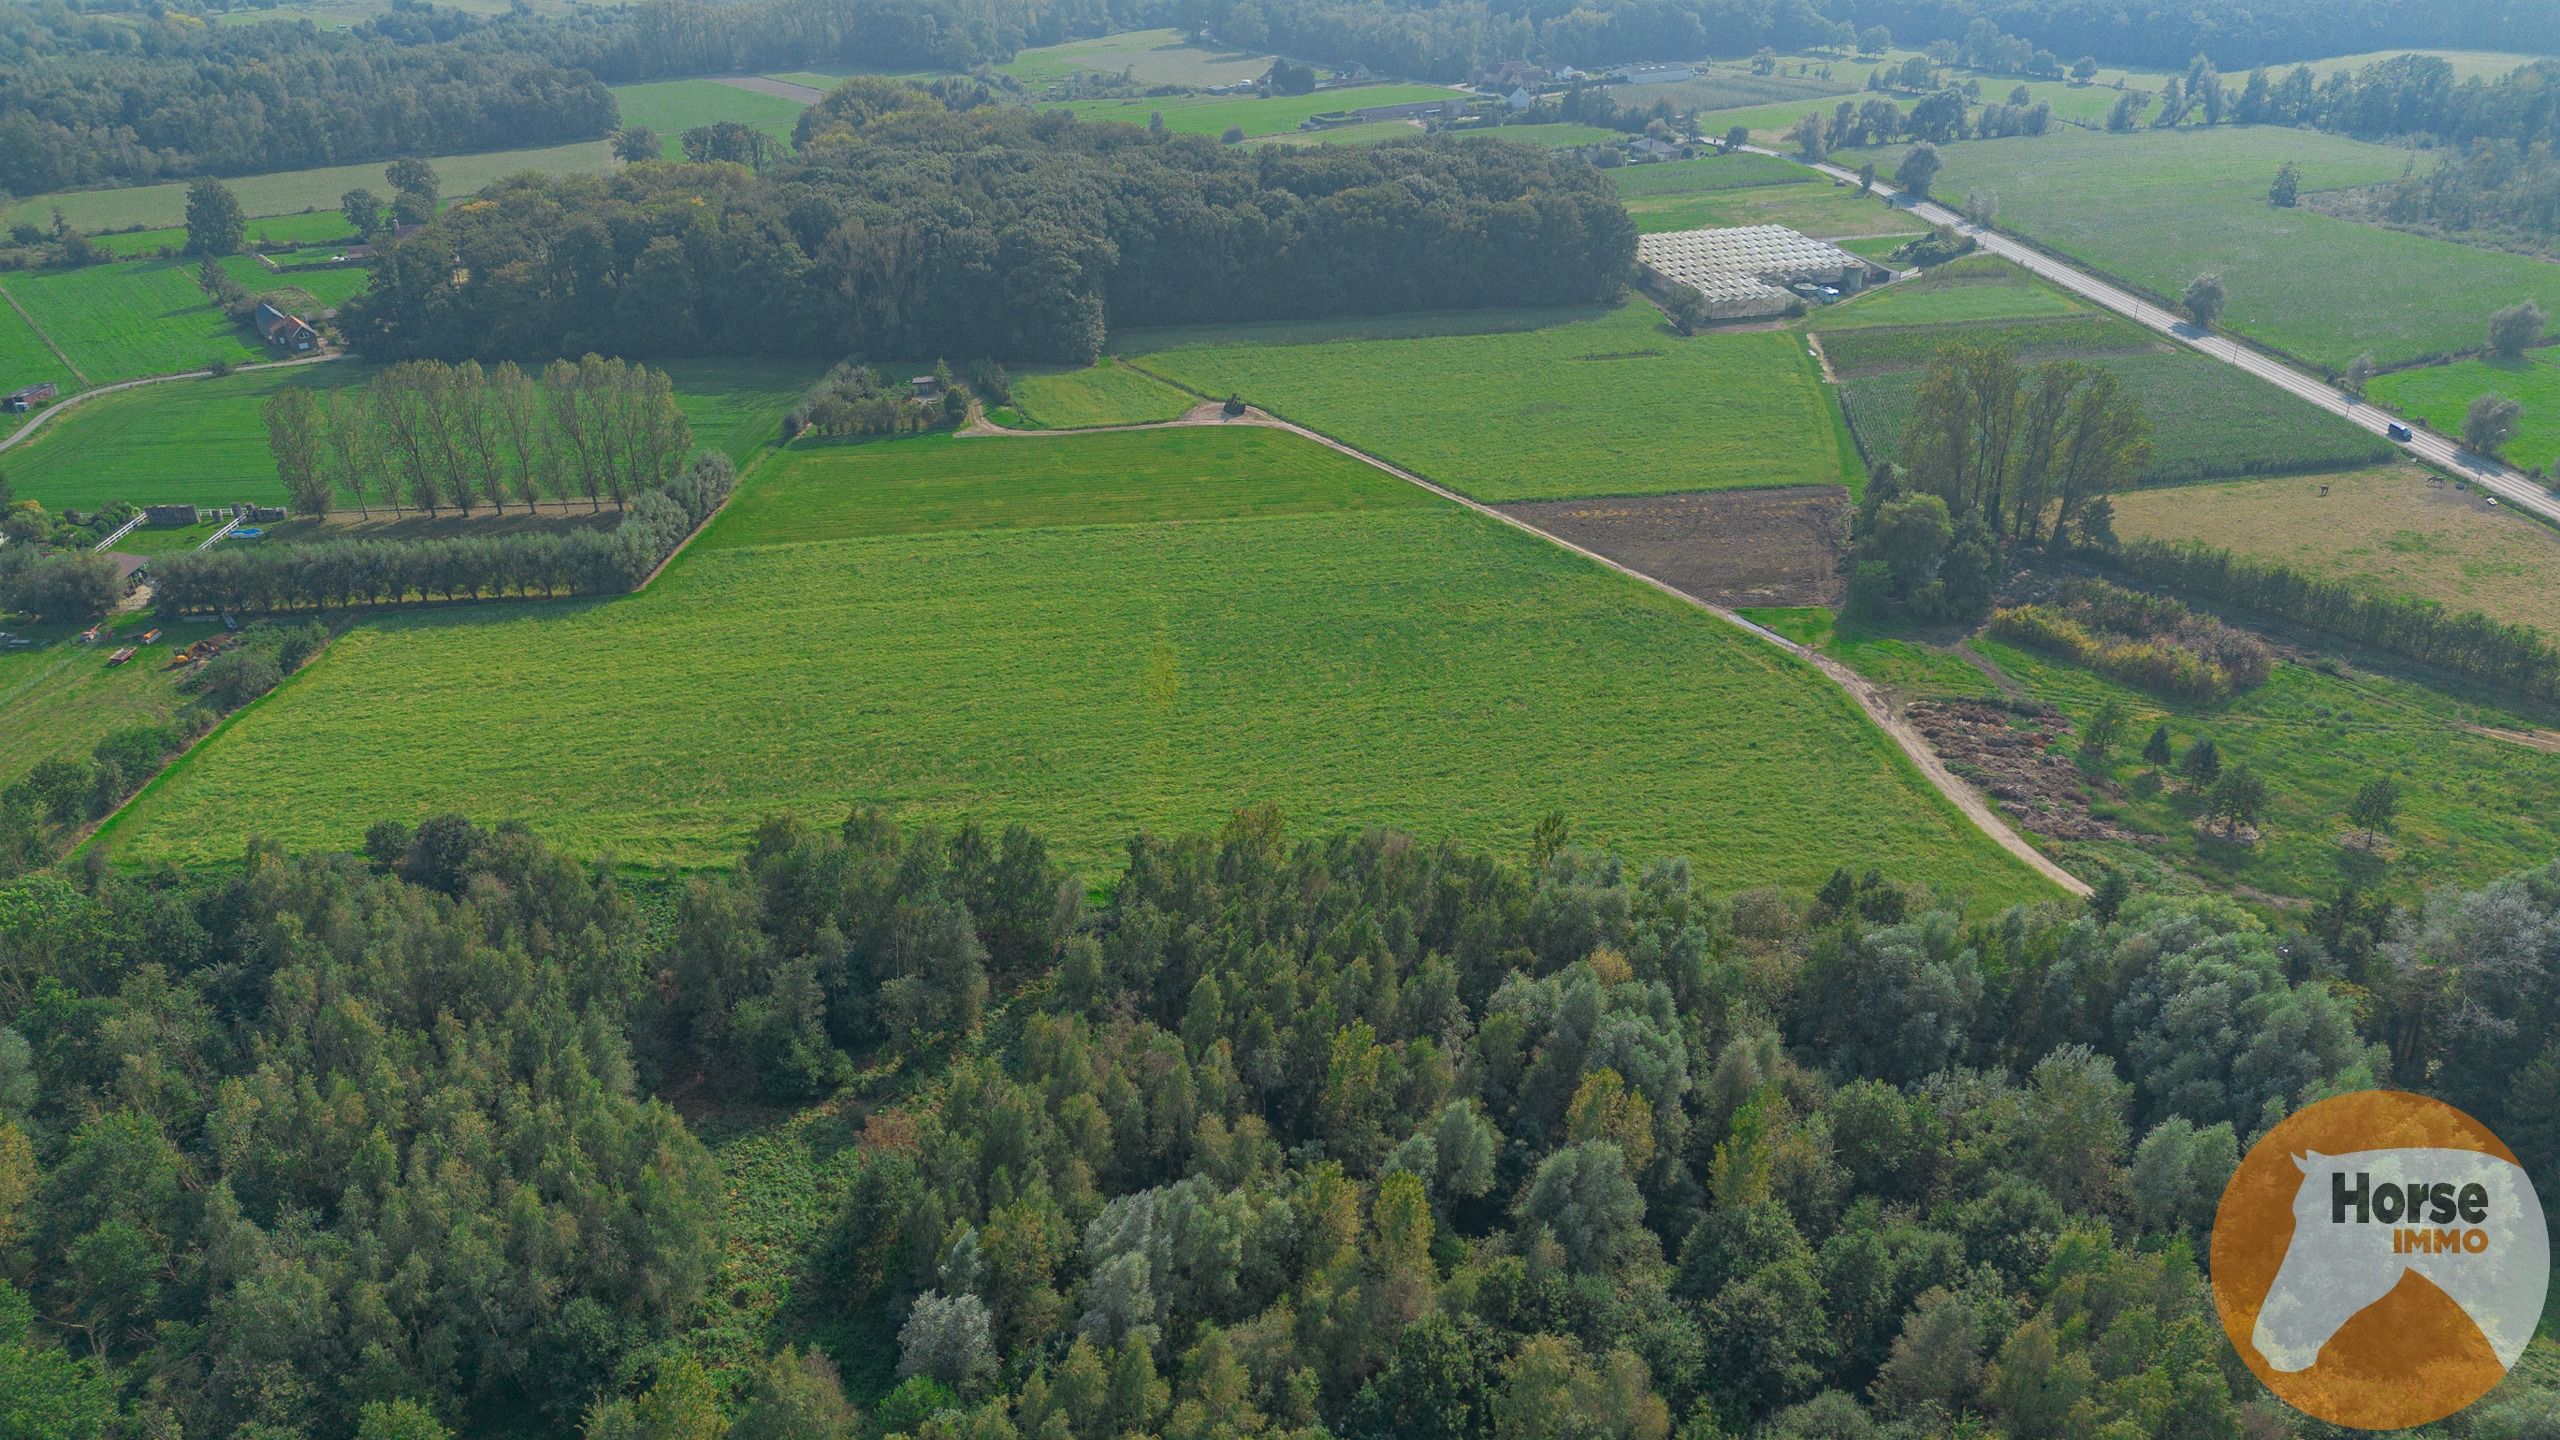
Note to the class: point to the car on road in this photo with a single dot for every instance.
(2398, 431)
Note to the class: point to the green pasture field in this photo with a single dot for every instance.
(292, 192)
(1975, 288)
(1708, 174)
(1415, 665)
(322, 227)
(2207, 419)
(672, 107)
(1556, 135)
(2159, 208)
(1147, 57)
(26, 360)
(1108, 393)
(1735, 89)
(1588, 402)
(1813, 206)
(1272, 115)
(131, 318)
(1881, 348)
(1906, 665)
(325, 287)
(843, 490)
(1769, 124)
(2440, 395)
(2394, 529)
(203, 441)
(2472, 807)
(61, 698)
(1368, 133)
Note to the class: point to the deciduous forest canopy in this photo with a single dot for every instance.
(911, 227)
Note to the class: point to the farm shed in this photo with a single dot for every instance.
(1746, 271)
(28, 397)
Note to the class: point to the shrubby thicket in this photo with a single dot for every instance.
(927, 223)
(1356, 1136)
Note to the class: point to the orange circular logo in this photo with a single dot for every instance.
(2380, 1260)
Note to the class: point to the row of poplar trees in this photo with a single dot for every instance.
(433, 436)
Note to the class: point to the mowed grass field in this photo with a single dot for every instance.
(324, 226)
(292, 192)
(672, 107)
(1975, 288)
(25, 359)
(1401, 662)
(204, 442)
(59, 700)
(1581, 402)
(2385, 529)
(1146, 57)
(132, 318)
(1213, 114)
(1108, 393)
(2160, 208)
(2440, 395)
(1723, 191)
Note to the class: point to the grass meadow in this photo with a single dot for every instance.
(1674, 196)
(60, 699)
(1147, 57)
(132, 318)
(2160, 208)
(1975, 288)
(1407, 663)
(1108, 393)
(25, 359)
(319, 227)
(1581, 402)
(1273, 115)
(2385, 529)
(2441, 394)
(672, 107)
(203, 442)
(292, 192)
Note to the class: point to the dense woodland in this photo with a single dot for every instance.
(915, 224)
(1358, 1137)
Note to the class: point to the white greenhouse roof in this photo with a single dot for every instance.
(1748, 263)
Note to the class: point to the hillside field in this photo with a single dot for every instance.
(2440, 395)
(1582, 402)
(2159, 208)
(1272, 115)
(2383, 529)
(202, 441)
(1407, 663)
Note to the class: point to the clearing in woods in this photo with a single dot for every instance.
(2397, 530)
(1534, 405)
(1356, 652)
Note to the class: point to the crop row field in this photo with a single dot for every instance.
(1580, 402)
(1353, 658)
(203, 441)
(2159, 208)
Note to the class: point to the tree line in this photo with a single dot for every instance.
(520, 565)
(921, 222)
(89, 97)
(2513, 658)
(433, 436)
(1347, 1135)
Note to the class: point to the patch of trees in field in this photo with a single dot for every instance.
(911, 227)
(2513, 658)
(1996, 455)
(1354, 1136)
(2152, 641)
(435, 436)
(526, 564)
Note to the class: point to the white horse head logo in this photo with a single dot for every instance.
(2468, 1222)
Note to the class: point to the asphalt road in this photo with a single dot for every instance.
(2505, 482)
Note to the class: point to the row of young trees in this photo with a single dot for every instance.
(430, 435)
(2514, 658)
(907, 226)
(525, 564)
